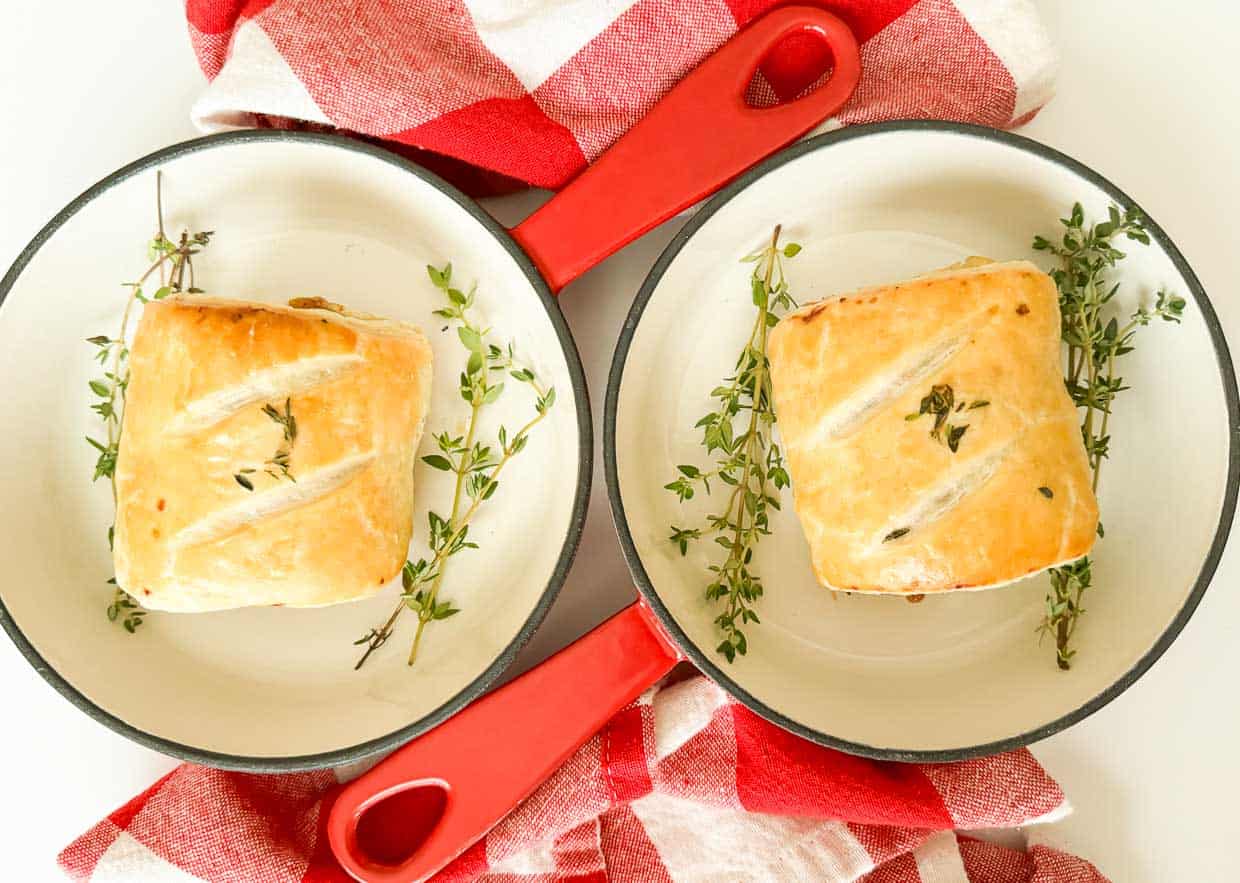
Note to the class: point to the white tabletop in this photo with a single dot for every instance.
(1147, 98)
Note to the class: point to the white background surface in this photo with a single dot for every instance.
(1147, 98)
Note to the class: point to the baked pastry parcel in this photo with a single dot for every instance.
(267, 454)
(931, 442)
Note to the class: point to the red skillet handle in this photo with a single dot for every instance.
(698, 137)
(490, 756)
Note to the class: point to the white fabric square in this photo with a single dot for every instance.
(699, 843)
(535, 37)
(255, 76)
(1014, 32)
(938, 860)
(695, 701)
(127, 860)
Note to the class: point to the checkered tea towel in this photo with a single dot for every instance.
(533, 90)
(683, 785)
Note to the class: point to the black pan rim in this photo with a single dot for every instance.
(572, 538)
(703, 661)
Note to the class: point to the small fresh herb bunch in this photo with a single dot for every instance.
(745, 460)
(278, 465)
(1095, 339)
(477, 465)
(173, 261)
(124, 609)
(940, 403)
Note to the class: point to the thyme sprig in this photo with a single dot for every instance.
(1095, 339)
(745, 460)
(477, 466)
(172, 260)
(276, 466)
(940, 403)
(124, 609)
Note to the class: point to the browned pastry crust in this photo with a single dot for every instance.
(189, 535)
(885, 506)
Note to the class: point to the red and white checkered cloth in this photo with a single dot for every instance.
(683, 785)
(533, 90)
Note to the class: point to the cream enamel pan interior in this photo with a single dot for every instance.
(962, 674)
(294, 215)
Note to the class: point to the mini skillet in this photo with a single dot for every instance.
(954, 677)
(302, 214)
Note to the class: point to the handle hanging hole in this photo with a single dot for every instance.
(794, 67)
(391, 830)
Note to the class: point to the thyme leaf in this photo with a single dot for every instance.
(940, 403)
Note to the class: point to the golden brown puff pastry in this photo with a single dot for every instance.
(874, 389)
(220, 503)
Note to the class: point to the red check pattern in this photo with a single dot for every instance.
(533, 90)
(685, 784)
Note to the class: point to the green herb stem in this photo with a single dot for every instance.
(114, 355)
(474, 408)
(477, 471)
(426, 615)
(1086, 255)
(745, 461)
